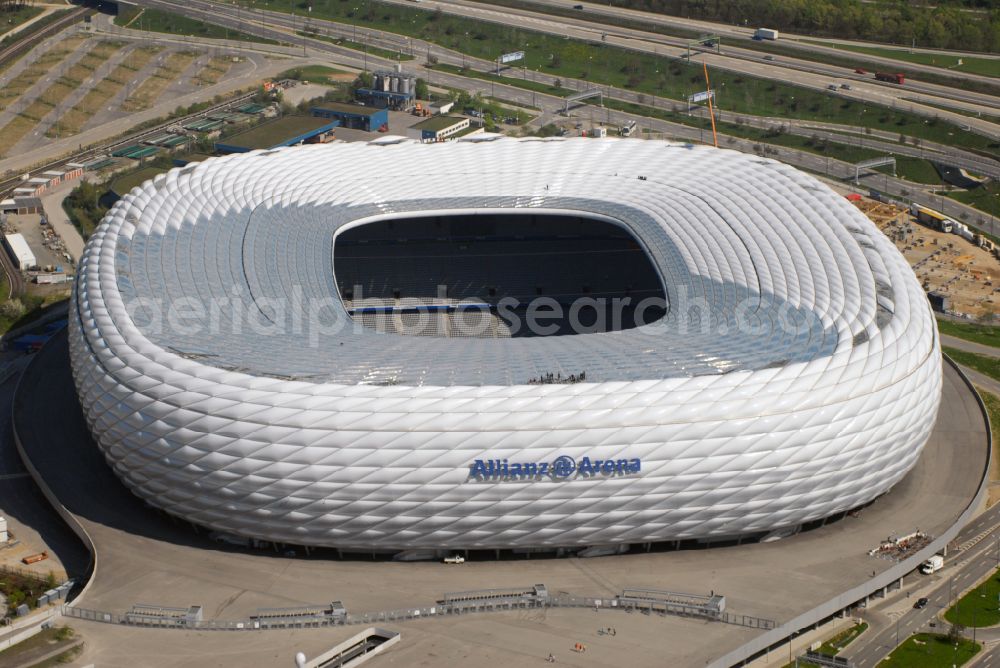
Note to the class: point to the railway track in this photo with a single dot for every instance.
(33, 37)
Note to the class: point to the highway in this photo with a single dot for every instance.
(282, 27)
(806, 73)
(963, 569)
(594, 11)
(276, 25)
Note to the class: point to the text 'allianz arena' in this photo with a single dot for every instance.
(499, 344)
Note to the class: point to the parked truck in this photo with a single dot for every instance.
(891, 77)
(932, 565)
(765, 33)
(932, 219)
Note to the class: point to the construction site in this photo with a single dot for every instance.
(960, 270)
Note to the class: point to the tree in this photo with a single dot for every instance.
(12, 309)
(955, 633)
(421, 90)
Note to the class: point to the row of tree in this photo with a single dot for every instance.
(972, 25)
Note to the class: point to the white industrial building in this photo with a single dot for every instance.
(791, 373)
(20, 251)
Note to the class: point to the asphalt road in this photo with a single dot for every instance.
(246, 20)
(969, 346)
(806, 73)
(963, 569)
(283, 27)
(733, 34)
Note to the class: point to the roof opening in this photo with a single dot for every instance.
(496, 275)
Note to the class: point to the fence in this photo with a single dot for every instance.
(399, 615)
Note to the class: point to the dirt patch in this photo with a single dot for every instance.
(97, 97)
(213, 71)
(944, 262)
(146, 95)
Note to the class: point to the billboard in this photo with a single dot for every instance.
(511, 57)
(702, 96)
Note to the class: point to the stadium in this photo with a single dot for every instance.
(499, 343)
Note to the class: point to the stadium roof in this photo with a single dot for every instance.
(787, 271)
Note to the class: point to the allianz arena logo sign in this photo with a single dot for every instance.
(563, 467)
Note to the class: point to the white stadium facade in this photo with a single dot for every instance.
(499, 344)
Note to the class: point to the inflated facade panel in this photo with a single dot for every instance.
(796, 375)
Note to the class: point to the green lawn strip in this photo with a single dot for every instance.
(780, 47)
(992, 118)
(639, 71)
(536, 86)
(992, 403)
(816, 145)
(988, 67)
(929, 650)
(984, 364)
(357, 46)
(13, 18)
(490, 106)
(314, 73)
(44, 638)
(983, 334)
(980, 607)
(916, 170)
(836, 644)
(985, 198)
(155, 20)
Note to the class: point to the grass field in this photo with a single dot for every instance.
(642, 72)
(989, 366)
(17, 128)
(12, 19)
(916, 170)
(993, 118)
(848, 59)
(835, 645)
(992, 403)
(38, 69)
(510, 81)
(986, 198)
(912, 169)
(149, 91)
(213, 71)
(155, 20)
(124, 183)
(984, 334)
(988, 67)
(314, 73)
(833, 150)
(357, 46)
(980, 606)
(47, 100)
(928, 650)
(97, 97)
